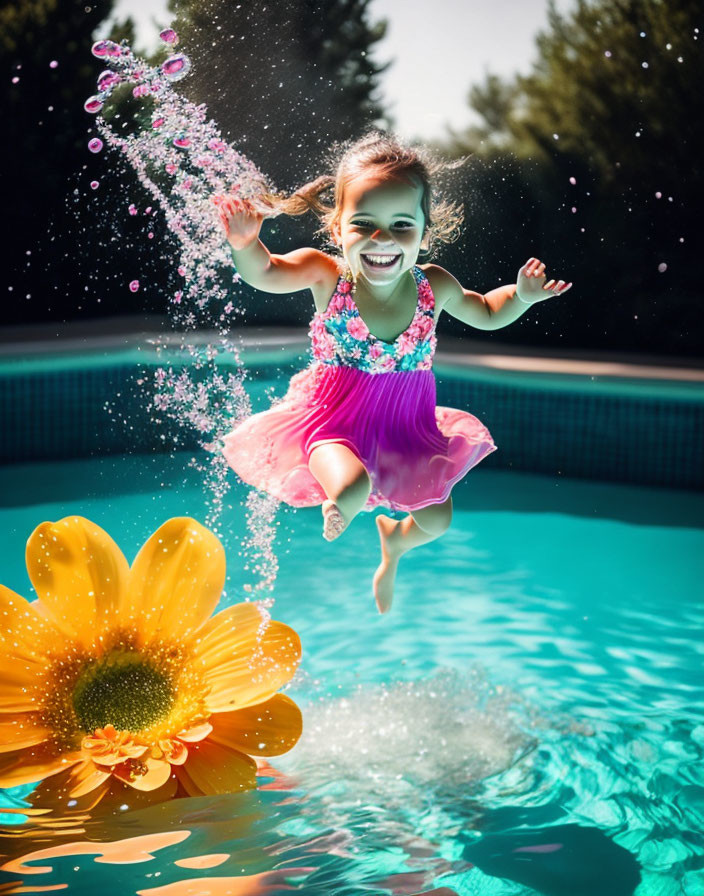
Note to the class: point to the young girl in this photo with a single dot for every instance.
(358, 428)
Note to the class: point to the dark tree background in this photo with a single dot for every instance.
(607, 124)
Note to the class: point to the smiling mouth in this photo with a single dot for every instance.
(378, 262)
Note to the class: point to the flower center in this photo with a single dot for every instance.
(122, 689)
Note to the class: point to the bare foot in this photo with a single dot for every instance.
(334, 524)
(385, 575)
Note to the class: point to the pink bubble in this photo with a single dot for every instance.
(182, 271)
(134, 285)
(15, 80)
(177, 297)
(662, 267)
(157, 123)
(140, 90)
(169, 36)
(93, 104)
(150, 236)
(658, 195)
(170, 168)
(574, 210)
(132, 209)
(100, 48)
(53, 64)
(95, 145)
(94, 184)
(573, 180)
(176, 67)
(107, 80)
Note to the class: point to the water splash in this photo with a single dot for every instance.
(182, 162)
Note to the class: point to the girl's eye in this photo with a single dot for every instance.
(368, 224)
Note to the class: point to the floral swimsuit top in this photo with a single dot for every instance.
(339, 336)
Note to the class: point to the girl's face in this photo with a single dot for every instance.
(381, 228)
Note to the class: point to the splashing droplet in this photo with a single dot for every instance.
(107, 80)
(169, 36)
(176, 67)
(95, 145)
(134, 285)
(93, 104)
(94, 184)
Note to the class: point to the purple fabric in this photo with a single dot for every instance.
(413, 451)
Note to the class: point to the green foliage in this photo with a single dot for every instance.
(283, 80)
(608, 133)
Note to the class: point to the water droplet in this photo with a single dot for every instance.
(662, 267)
(53, 64)
(176, 67)
(15, 80)
(107, 80)
(93, 104)
(134, 285)
(658, 195)
(100, 48)
(573, 180)
(644, 64)
(169, 36)
(607, 53)
(94, 184)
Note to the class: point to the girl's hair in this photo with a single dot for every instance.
(389, 156)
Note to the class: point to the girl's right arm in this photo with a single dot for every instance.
(300, 269)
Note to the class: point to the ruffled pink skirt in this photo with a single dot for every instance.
(413, 451)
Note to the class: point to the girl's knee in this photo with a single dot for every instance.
(436, 518)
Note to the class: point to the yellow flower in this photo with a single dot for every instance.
(117, 678)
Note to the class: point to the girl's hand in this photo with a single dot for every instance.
(240, 219)
(531, 286)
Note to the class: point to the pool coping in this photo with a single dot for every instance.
(468, 354)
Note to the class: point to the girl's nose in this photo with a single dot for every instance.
(380, 231)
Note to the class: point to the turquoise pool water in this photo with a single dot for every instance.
(528, 719)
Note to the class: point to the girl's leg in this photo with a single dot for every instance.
(345, 481)
(400, 536)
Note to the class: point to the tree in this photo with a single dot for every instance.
(283, 80)
(610, 112)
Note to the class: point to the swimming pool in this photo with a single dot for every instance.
(527, 719)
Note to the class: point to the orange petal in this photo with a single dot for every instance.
(53, 794)
(27, 766)
(23, 730)
(85, 778)
(267, 729)
(79, 574)
(198, 732)
(176, 579)
(23, 633)
(254, 671)
(153, 773)
(214, 768)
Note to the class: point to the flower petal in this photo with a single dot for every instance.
(27, 766)
(23, 632)
(21, 731)
(244, 667)
(214, 768)
(267, 729)
(85, 778)
(176, 579)
(156, 773)
(79, 574)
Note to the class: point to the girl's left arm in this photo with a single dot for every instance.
(502, 306)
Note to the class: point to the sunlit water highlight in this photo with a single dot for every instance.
(527, 720)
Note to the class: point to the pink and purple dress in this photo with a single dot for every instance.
(375, 397)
